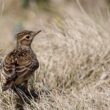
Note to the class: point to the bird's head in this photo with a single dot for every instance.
(26, 37)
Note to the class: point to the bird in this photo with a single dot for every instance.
(20, 64)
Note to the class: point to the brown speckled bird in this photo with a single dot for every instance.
(21, 63)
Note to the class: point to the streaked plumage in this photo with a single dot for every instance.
(21, 63)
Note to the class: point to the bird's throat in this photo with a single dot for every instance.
(20, 46)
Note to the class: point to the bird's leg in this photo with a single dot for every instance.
(14, 88)
(22, 97)
(30, 93)
(26, 85)
(26, 91)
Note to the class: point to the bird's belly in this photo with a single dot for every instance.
(20, 80)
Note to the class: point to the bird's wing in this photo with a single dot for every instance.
(9, 67)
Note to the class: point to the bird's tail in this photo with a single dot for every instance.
(7, 85)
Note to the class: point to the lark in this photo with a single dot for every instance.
(21, 63)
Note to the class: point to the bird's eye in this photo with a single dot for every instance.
(27, 36)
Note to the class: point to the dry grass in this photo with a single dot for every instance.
(74, 55)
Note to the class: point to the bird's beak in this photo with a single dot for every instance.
(35, 33)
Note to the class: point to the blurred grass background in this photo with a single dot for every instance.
(73, 50)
